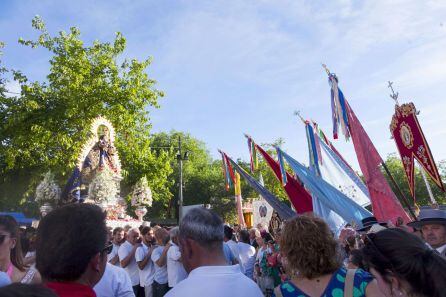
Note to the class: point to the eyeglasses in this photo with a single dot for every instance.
(2, 238)
(108, 248)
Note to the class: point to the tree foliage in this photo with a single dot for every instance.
(201, 175)
(45, 126)
(393, 162)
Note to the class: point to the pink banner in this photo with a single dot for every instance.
(385, 205)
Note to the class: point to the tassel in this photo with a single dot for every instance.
(338, 107)
(252, 154)
(282, 166)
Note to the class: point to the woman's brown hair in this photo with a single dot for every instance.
(309, 247)
(10, 225)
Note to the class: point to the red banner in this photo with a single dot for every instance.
(299, 197)
(412, 144)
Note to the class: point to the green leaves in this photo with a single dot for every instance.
(45, 127)
(396, 168)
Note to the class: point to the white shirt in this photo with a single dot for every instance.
(246, 258)
(132, 267)
(234, 248)
(113, 253)
(175, 269)
(441, 248)
(145, 275)
(216, 281)
(160, 272)
(114, 283)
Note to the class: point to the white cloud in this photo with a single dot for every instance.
(13, 88)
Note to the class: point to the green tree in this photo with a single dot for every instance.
(393, 162)
(45, 126)
(201, 175)
(3, 72)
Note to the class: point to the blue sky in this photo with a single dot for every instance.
(234, 67)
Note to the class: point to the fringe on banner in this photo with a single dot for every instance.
(313, 150)
(226, 170)
(252, 154)
(282, 166)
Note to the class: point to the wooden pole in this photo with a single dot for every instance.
(402, 196)
(428, 187)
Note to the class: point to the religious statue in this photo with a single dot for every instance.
(98, 169)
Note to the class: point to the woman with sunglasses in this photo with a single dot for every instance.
(11, 258)
(404, 265)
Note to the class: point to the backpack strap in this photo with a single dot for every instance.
(278, 291)
(349, 279)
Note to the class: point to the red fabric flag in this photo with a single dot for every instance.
(385, 205)
(299, 197)
(411, 144)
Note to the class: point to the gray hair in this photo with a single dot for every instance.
(203, 226)
(255, 231)
(133, 230)
(174, 232)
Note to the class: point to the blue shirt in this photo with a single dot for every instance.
(4, 279)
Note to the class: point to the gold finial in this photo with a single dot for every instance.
(326, 69)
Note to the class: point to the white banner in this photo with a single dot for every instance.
(262, 212)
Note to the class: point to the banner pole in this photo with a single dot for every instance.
(428, 187)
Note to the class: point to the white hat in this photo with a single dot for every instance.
(376, 228)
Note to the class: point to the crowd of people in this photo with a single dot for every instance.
(73, 253)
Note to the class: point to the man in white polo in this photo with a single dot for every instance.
(114, 283)
(201, 245)
(175, 269)
(127, 259)
(159, 259)
(143, 259)
(118, 238)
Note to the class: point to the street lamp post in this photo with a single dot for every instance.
(181, 158)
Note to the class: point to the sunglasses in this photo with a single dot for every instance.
(108, 248)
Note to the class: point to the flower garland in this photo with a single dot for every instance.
(47, 191)
(142, 195)
(103, 187)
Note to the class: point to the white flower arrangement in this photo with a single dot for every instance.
(47, 191)
(103, 188)
(142, 195)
